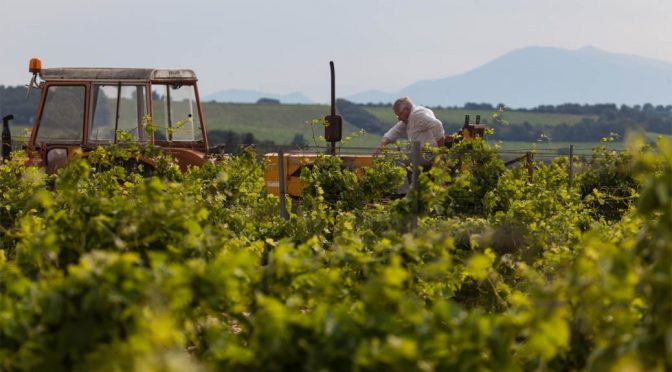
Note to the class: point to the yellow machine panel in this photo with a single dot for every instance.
(294, 162)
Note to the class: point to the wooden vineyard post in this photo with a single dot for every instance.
(415, 161)
(571, 165)
(281, 186)
(530, 166)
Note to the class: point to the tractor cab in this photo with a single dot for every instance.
(83, 108)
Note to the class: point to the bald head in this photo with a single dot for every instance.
(402, 108)
(402, 104)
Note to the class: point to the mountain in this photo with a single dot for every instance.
(542, 75)
(251, 96)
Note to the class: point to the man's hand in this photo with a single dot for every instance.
(378, 150)
(381, 146)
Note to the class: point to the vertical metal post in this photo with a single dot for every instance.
(415, 161)
(140, 105)
(281, 185)
(571, 165)
(332, 147)
(116, 120)
(530, 166)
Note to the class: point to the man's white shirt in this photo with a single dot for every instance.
(422, 126)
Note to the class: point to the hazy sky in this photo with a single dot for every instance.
(285, 46)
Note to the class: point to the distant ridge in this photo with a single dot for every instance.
(536, 76)
(251, 96)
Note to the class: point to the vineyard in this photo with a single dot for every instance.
(104, 269)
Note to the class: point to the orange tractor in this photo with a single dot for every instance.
(83, 108)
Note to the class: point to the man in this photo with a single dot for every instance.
(416, 122)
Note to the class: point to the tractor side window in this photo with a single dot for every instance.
(106, 121)
(185, 123)
(62, 119)
(176, 113)
(160, 115)
(132, 110)
(103, 113)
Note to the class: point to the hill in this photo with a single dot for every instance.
(272, 122)
(541, 75)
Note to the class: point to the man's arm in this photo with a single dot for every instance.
(396, 132)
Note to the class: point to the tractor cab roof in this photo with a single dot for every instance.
(118, 74)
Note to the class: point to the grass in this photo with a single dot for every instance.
(546, 151)
(20, 133)
(555, 146)
(653, 137)
(279, 123)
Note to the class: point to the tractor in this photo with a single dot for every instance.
(82, 108)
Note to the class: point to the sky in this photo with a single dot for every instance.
(280, 47)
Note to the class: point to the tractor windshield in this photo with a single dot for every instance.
(62, 119)
(176, 113)
(117, 108)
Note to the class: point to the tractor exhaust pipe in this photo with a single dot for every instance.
(333, 88)
(334, 129)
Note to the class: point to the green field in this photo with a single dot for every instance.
(580, 148)
(280, 123)
(277, 123)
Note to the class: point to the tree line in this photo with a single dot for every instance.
(600, 120)
(13, 100)
(229, 141)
